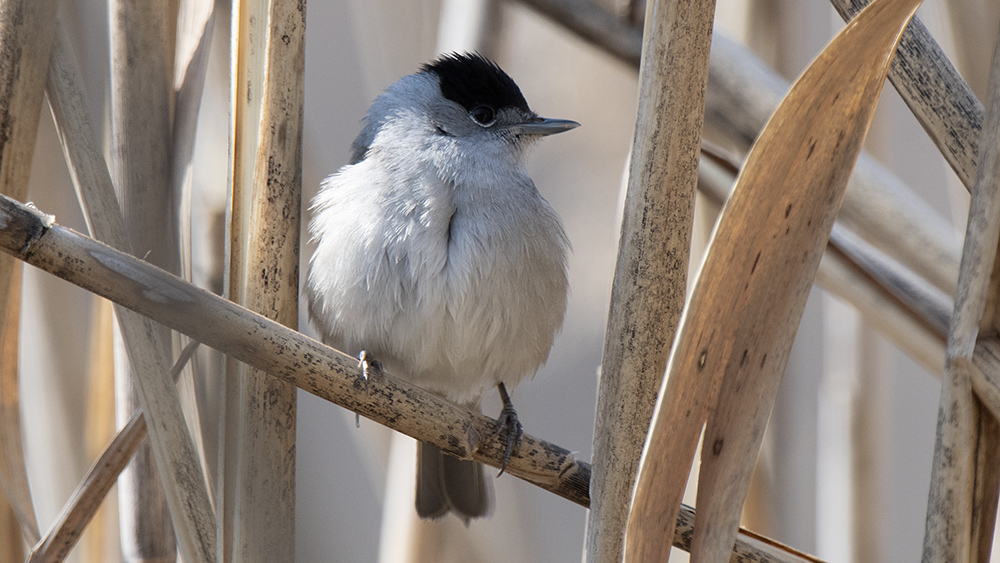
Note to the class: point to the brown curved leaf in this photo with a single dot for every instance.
(734, 339)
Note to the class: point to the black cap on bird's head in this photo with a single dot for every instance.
(471, 80)
(484, 89)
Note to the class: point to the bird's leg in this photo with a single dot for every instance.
(509, 423)
(368, 364)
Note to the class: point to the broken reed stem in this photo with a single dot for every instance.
(308, 364)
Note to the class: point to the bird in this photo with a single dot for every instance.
(438, 260)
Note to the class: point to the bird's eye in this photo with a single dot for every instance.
(484, 115)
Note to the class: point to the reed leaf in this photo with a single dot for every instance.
(743, 92)
(899, 303)
(937, 95)
(736, 333)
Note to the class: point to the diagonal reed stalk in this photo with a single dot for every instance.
(311, 366)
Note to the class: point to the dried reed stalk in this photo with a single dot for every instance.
(651, 271)
(87, 498)
(184, 482)
(733, 343)
(594, 24)
(26, 31)
(259, 483)
(318, 369)
(964, 484)
(193, 38)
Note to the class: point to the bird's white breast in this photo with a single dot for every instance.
(452, 285)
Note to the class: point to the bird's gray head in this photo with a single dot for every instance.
(460, 103)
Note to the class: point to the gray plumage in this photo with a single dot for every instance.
(436, 254)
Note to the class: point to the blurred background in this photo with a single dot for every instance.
(845, 467)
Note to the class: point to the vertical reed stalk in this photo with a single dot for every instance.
(651, 273)
(26, 31)
(258, 515)
(961, 507)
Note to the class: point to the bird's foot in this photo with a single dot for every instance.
(509, 424)
(369, 365)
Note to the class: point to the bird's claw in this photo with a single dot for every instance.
(509, 424)
(368, 365)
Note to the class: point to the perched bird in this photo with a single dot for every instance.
(436, 255)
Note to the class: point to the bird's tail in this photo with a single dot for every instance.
(447, 483)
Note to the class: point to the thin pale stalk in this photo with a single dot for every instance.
(248, 33)
(86, 500)
(259, 521)
(184, 482)
(141, 79)
(100, 425)
(651, 271)
(962, 488)
(331, 375)
(194, 37)
(88, 496)
(595, 25)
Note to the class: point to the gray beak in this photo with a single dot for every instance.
(544, 126)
